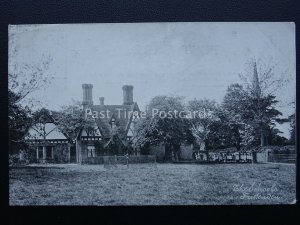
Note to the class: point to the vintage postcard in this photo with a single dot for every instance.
(152, 114)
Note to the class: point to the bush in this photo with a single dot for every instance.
(13, 159)
(18, 159)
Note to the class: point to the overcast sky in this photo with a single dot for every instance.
(194, 60)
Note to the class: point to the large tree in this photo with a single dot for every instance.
(71, 119)
(260, 113)
(24, 78)
(204, 121)
(233, 109)
(163, 124)
(19, 121)
(22, 83)
(249, 115)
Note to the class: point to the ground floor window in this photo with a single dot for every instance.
(40, 152)
(49, 152)
(91, 151)
(45, 152)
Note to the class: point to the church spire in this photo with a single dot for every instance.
(255, 81)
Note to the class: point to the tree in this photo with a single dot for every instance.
(274, 138)
(292, 119)
(23, 79)
(260, 114)
(26, 77)
(71, 120)
(218, 136)
(39, 119)
(19, 121)
(18, 90)
(233, 110)
(260, 78)
(163, 124)
(203, 120)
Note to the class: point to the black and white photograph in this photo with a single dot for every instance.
(162, 113)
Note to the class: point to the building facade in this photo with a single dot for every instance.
(113, 126)
(47, 144)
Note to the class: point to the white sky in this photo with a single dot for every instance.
(194, 60)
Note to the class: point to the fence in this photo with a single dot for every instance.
(283, 158)
(120, 159)
(223, 157)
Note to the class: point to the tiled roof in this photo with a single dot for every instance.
(51, 132)
(114, 138)
(121, 114)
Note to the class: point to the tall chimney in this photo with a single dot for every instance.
(127, 94)
(87, 95)
(101, 99)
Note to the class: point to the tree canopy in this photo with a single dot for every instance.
(162, 123)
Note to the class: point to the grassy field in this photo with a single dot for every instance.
(153, 184)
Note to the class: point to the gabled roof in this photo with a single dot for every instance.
(122, 115)
(114, 139)
(47, 131)
(95, 132)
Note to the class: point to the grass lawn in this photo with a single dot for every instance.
(153, 184)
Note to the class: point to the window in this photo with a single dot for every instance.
(40, 152)
(49, 152)
(91, 151)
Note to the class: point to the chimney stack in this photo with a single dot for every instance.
(101, 100)
(87, 95)
(127, 94)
